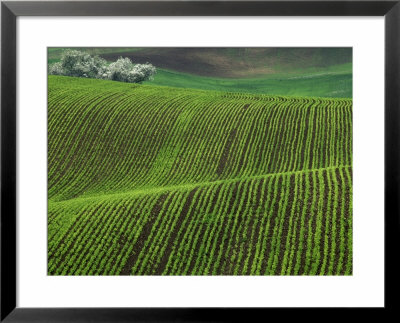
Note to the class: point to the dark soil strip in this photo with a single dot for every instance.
(126, 270)
(285, 229)
(200, 200)
(246, 106)
(323, 222)
(273, 219)
(225, 153)
(123, 240)
(306, 221)
(119, 210)
(257, 219)
(203, 229)
(174, 233)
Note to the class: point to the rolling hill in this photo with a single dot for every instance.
(322, 72)
(154, 180)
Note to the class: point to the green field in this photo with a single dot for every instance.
(335, 82)
(155, 180)
(318, 72)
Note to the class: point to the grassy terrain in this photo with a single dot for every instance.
(236, 62)
(322, 72)
(329, 83)
(150, 180)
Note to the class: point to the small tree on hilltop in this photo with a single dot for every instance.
(124, 70)
(80, 64)
(144, 72)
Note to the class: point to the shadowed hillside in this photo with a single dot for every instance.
(237, 62)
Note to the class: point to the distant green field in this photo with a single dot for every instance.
(154, 180)
(280, 73)
(329, 83)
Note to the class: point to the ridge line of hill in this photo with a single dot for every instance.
(232, 94)
(159, 189)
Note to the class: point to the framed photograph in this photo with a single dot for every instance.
(197, 160)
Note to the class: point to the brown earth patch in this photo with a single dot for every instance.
(137, 248)
(200, 61)
(247, 62)
(123, 240)
(174, 232)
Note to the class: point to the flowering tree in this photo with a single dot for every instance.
(78, 64)
(81, 64)
(124, 70)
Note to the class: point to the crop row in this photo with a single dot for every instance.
(103, 140)
(149, 180)
(290, 224)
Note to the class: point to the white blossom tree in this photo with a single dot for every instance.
(81, 64)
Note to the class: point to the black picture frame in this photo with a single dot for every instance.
(10, 10)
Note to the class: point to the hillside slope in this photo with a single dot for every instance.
(233, 62)
(237, 62)
(156, 180)
(322, 72)
(335, 82)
